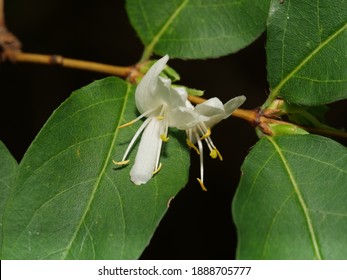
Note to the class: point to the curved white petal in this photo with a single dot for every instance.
(178, 97)
(234, 103)
(184, 118)
(215, 111)
(210, 107)
(147, 153)
(150, 86)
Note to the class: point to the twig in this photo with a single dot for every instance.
(255, 118)
(11, 50)
(9, 43)
(121, 71)
(2, 14)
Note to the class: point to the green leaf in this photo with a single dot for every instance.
(291, 200)
(306, 50)
(71, 201)
(195, 28)
(8, 171)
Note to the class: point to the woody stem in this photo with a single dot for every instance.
(2, 14)
(253, 117)
(121, 71)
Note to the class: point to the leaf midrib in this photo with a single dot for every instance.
(276, 91)
(149, 48)
(102, 173)
(300, 198)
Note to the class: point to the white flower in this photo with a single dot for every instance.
(158, 101)
(203, 118)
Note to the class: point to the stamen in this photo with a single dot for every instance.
(164, 138)
(215, 153)
(121, 162)
(138, 132)
(219, 154)
(158, 169)
(166, 128)
(162, 113)
(138, 118)
(201, 180)
(191, 145)
(207, 134)
(202, 184)
(128, 124)
(163, 131)
(213, 149)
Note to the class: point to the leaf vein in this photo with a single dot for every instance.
(266, 242)
(103, 169)
(309, 57)
(317, 160)
(319, 81)
(164, 28)
(63, 151)
(122, 214)
(300, 198)
(46, 203)
(255, 180)
(83, 109)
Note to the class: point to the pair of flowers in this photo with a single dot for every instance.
(166, 106)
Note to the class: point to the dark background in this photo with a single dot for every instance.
(198, 225)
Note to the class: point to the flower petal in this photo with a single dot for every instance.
(168, 95)
(147, 153)
(147, 91)
(210, 107)
(178, 96)
(184, 118)
(234, 103)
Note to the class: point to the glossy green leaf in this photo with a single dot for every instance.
(196, 28)
(8, 171)
(71, 201)
(291, 200)
(306, 50)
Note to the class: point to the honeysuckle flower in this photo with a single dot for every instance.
(157, 100)
(203, 118)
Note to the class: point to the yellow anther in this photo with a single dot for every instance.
(158, 169)
(127, 124)
(202, 184)
(121, 162)
(191, 145)
(159, 118)
(164, 138)
(215, 153)
(207, 134)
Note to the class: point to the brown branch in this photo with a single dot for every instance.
(2, 14)
(11, 50)
(9, 43)
(256, 118)
(121, 71)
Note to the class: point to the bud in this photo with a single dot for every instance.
(285, 129)
(278, 129)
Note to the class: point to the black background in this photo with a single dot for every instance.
(198, 225)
